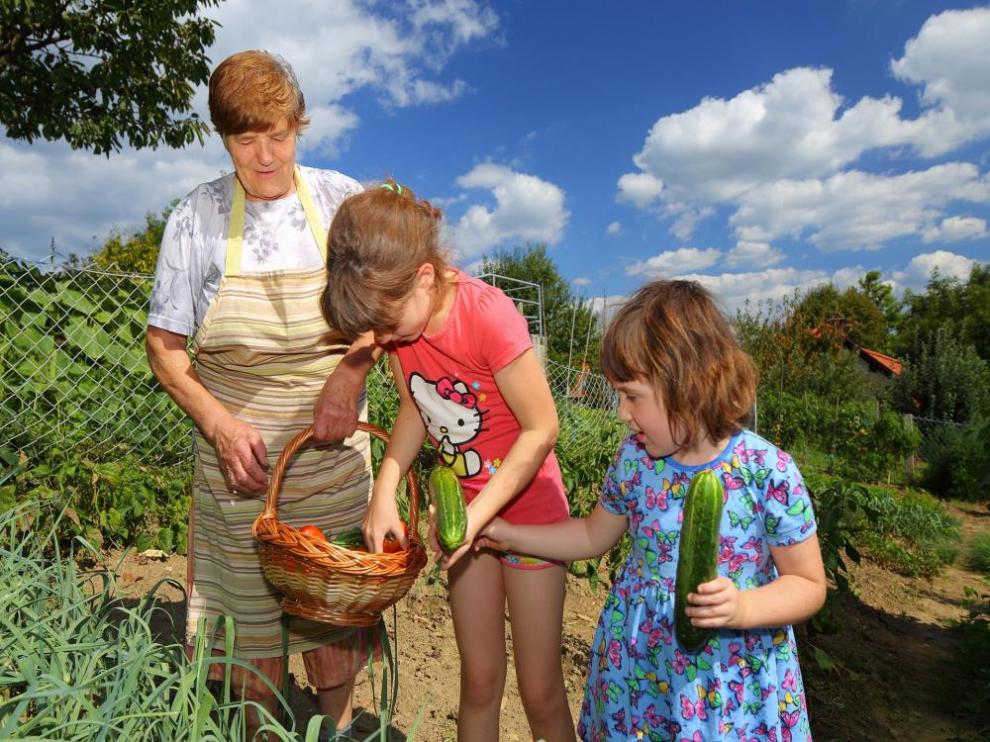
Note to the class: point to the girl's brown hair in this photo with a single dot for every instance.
(672, 335)
(254, 91)
(377, 242)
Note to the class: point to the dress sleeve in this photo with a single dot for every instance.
(178, 273)
(613, 496)
(787, 512)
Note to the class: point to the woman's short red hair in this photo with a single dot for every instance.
(255, 91)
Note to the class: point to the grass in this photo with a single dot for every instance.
(76, 664)
(978, 554)
(913, 533)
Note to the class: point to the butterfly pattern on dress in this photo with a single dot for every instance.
(642, 683)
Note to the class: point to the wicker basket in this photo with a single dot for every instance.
(329, 583)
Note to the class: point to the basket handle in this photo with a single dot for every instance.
(298, 440)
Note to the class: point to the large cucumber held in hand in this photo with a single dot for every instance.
(697, 555)
(448, 503)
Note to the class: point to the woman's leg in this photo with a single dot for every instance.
(477, 602)
(332, 668)
(536, 609)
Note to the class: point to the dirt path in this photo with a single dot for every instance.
(894, 655)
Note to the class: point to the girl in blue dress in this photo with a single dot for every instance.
(685, 389)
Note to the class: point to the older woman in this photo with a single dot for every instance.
(241, 270)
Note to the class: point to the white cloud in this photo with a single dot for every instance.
(613, 229)
(640, 188)
(581, 281)
(527, 208)
(786, 128)
(753, 254)
(954, 229)
(856, 209)
(673, 262)
(794, 138)
(916, 274)
(732, 290)
(344, 46)
(39, 203)
(950, 58)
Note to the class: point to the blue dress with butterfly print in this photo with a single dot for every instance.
(741, 685)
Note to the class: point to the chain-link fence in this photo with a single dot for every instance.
(73, 373)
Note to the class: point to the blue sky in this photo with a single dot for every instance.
(758, 147)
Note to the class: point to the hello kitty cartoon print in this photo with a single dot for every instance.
(452, 417)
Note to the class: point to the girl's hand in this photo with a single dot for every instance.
(717, 604)
(493, 535)
(381, 520)
(472, 531)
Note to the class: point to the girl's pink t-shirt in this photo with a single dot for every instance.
(451, 377)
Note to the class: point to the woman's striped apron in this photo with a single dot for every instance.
(264, 350)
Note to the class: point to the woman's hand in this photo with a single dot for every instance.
(241, 455)
(381, 520)
(717, 604)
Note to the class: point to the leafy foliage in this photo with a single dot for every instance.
(944, 378)
(78, 663)
(73, 368)
(843, 514)
(912, 534)
(97, 73)
(956, 461)
(978, 554)
(962, 309)
(796, 352)
(860, 441)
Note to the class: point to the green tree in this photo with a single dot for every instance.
(137, 253)
(882, 295)
(851, 315)
(944, 378)
(99, 72)
(569, 323)
(962, 308)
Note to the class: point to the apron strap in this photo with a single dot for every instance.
(235, 233)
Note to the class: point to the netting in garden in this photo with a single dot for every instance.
(74, 375)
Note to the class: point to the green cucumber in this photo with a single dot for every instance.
(697, 552)
(448, 504)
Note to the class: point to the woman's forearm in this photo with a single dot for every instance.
(170, 364)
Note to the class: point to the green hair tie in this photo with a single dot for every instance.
(394, 187)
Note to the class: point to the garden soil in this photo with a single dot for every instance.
(894, 653)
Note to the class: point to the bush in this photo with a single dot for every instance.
(944, 378)
(861, 442)
(912, 534)
(956, 461)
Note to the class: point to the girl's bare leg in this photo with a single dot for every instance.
(536, 608)
(477, 602)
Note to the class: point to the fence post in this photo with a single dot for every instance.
(909, 461)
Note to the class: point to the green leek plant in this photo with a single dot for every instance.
(77, 664)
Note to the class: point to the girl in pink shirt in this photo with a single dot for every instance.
(468, 377)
